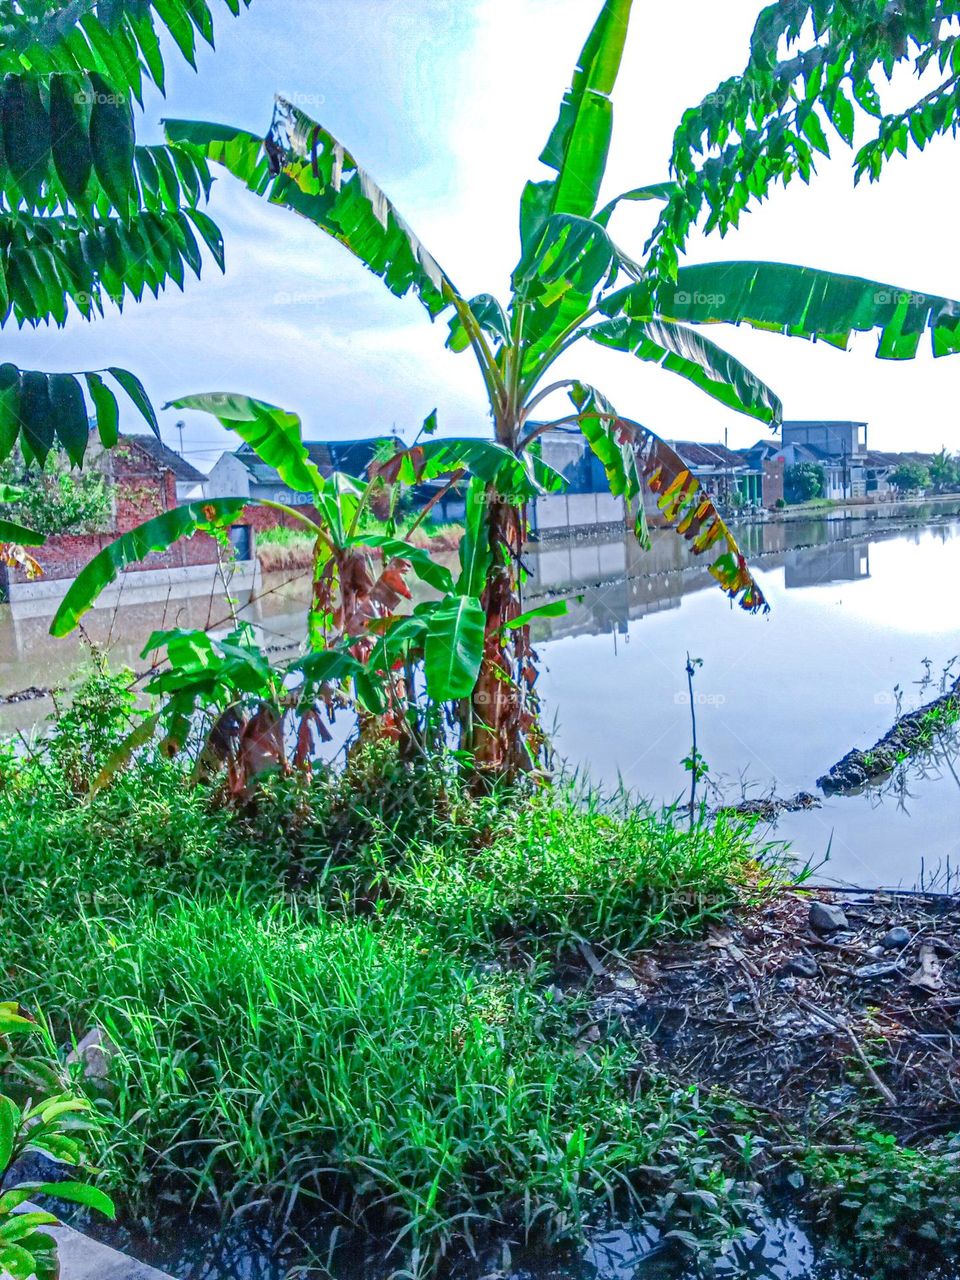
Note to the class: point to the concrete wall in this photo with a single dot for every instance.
(560, 511)
(136, 586)
(228, 478)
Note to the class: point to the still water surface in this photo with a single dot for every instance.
(861, 607)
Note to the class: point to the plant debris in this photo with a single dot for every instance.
(814, 1028)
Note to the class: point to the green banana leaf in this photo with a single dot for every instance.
(700, 361)
(274, 434)
(453, 648)
(322, 181)
(802, 302)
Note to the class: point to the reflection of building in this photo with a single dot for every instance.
(815, 566)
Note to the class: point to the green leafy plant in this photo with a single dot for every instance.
(54, 1125)
(55, 497)
(804, 482)
(910, 477)
(573, 283)
(88, 215)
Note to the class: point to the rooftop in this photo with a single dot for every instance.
(167, 459)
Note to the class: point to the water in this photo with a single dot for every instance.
(860, 605)
(857, 608)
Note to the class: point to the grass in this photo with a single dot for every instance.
(281, 547)
(364, 1012)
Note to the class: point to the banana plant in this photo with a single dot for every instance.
(360, 576)
(573, 283)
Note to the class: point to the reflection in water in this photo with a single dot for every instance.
(201, 1249)
(858, 605)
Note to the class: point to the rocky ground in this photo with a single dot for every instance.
(809, 1009)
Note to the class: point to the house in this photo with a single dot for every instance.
(187, 480)
(146, 479)
(838, 448)
(881, 466)
(243, 474)
(728, 476)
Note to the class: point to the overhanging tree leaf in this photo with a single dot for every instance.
(700, 361)
(802, 302)
(154, 535)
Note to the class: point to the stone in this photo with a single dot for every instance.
(802, 966)
(94, 1052)
(896, 939)
(826, 918)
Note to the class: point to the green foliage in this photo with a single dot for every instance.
(86, 214)
(87, 724)
(910, 476)
(38, 1115)
(884, 1201)
(804, 481)
(945, 472)
(56, 498)
(153, 535)
(771, 123)
(318, 998)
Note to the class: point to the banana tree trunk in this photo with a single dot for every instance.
(505, 726)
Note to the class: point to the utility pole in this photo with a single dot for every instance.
(180, 426)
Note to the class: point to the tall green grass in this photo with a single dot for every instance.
(369, 1022)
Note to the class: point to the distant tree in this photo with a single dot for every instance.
(56, 498)
(804, 482)
(945, 472)
(909, 476)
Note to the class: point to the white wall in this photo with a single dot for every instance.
(228, 478)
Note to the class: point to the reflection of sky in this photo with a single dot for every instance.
(779, 699)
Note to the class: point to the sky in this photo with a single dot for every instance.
(448, 106)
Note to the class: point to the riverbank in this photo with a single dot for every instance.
(452, 1020)
(281, 548)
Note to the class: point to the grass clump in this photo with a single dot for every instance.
(358, 1006)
